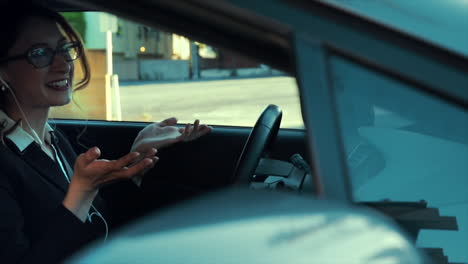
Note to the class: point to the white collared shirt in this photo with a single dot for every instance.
(19, 136)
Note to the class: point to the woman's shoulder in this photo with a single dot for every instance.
(8, 156)
(10, 162)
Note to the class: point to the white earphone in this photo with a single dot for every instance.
(37, 139)
(96, 211)
(35, 136)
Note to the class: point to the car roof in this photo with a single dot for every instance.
(236, 25)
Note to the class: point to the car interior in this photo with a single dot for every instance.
(365, 89)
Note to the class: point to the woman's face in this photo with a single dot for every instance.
(39, 87)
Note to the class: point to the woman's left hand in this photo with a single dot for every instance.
(165, 133)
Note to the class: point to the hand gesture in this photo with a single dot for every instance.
(165, 133)
(90, 173)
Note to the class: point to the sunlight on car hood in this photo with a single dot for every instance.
(327, 234)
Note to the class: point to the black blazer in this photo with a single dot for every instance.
(34, 225)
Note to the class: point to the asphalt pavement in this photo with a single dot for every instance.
(232, 102)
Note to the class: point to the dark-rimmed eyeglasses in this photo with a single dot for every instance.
(41, 57)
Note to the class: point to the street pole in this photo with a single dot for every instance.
(113, 108)
(109, 97)
(109, 52)
(194, 57)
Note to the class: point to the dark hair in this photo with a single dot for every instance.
(15, 14)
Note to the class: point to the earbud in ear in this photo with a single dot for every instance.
(4, 85)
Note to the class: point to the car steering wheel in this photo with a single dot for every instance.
(261, 137)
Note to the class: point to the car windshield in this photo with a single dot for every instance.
(443, 23)
(403, 146)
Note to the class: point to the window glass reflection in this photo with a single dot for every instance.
(404, 146)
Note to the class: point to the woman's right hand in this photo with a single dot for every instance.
(91, 173)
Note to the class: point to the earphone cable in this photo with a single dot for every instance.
(96, 211)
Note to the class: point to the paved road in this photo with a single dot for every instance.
(236, 102)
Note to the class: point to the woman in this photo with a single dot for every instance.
(49, 197)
